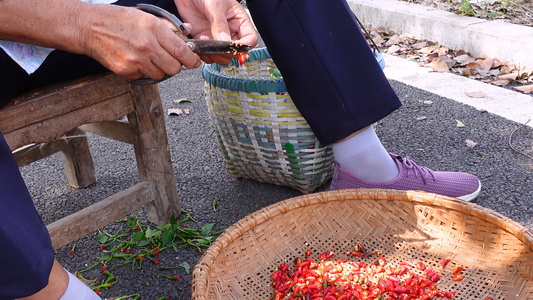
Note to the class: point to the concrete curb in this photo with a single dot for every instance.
(507, 42)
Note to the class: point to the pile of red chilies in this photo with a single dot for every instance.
(343, 279)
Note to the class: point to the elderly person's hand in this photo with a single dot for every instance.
(135, 44)
(218, 19)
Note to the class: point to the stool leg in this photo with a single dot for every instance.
(153, 153)
(77, 159)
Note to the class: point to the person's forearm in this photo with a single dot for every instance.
(49, 23)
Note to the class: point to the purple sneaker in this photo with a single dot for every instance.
(414, 177)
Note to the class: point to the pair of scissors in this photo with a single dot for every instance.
(197, 46)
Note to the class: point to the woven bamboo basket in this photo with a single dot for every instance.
(496, 252)
(261, 133)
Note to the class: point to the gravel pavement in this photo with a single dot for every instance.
(201, 175)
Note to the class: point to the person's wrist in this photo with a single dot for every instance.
(80, 31)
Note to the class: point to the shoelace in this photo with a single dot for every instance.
(411, 166)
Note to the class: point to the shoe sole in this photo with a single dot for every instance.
(472, 196)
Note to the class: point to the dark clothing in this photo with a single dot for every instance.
(26, 250)
(342, 90)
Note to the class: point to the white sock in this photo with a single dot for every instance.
(365, 156)
(77, 290)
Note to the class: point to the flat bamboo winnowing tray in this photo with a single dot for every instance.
(496, 252)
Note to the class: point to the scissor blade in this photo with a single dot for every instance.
(217, 47)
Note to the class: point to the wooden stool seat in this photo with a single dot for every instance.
(56, 119)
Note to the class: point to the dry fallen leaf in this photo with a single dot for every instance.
(393, 49)
(473, 65)
(470, 144)
(468, 72)
(439, 65)
(421, 118)
(479, 94)
(496, 63)
(500, 82)
(464, 59)
(428, 102)
(486, 64)
(186, 111)
(174, 111)
(460, 124)
(525, 88)
(510, 76)
(394, 40)
(419, 45)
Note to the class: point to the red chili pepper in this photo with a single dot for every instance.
(156, 261)
(242, 59)
(382, 261)
(452, 294)
(283, 268)
(457, 269)
(420, 266)
(308, 253)
(71, 252)
(403, 270)
(176, 277)
(304, 263)
(403, 263)
(444, 263)
(97, 292)
(458, 277)
(326, 255)
(102, 246)
(283, 288)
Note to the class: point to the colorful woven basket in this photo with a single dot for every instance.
(407, 226)
(261, 133)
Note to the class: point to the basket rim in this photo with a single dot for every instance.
(239, 228)
(213, 76)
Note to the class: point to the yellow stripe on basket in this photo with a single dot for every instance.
(237, 118)
(257, 96)
(234, 109)
(303, 122)
(230, 93)
(259, 112)
(286, 104)
(260, 104)
(289, 113)
(233, 101)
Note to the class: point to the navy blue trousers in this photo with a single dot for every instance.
(327, 65)
(26, 253)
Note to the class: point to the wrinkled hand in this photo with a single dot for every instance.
(218, 19)
(135, 44)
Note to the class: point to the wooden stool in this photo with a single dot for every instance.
(56, 118)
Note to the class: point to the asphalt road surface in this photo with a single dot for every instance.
(201, 175)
